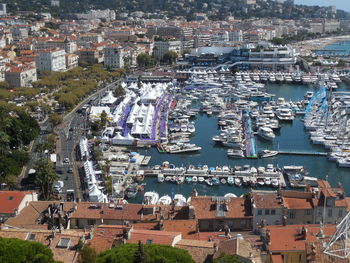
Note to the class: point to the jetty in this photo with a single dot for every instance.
(303, 153)
(249, 136)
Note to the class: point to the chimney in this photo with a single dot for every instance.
(191, 212)
(303, 233)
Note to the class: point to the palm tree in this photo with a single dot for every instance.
(45, 177)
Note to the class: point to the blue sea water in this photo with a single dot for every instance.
(291, 137)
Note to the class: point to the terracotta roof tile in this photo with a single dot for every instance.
(186, 227)
(153, 237)
(10, 201)
(266, 200)
(207, 208)
(297, 203)
(289, 238)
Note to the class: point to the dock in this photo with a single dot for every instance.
(249, 137)
(146, 160)
(303, 153)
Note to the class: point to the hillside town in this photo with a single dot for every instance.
(175, 133)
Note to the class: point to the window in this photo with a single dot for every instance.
(273, 211)
(291, 214)
(340, 213)
(307, 212)
(260, 212)
(91, 222)
(149, 241)
(10, 197)
(330, 212)
(30, 237)
(63, 243)
(267, 212)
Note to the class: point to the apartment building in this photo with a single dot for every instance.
(113, 57)
(162, 47)
(51, 60)
(13, 202)
(90, 56)
(68, 45)
(72, 61)
(20, 76)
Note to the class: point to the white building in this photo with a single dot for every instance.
(51, 60)
(20, 76)
(3, 11)
(162, 47)
(113, 57)
(235, 36)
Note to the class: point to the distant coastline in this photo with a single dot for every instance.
(305, 47)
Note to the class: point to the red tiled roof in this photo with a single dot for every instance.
(297, 203)
(153, 236)
(206, 208)
(10, 201)
(288, 238)
(266, 200)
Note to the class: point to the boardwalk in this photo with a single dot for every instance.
(303, 153)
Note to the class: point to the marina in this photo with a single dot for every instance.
(219, 133)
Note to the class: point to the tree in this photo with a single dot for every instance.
(103, 119)
(119, 91)
(225, 258)
(144, 60)
(87, 255)
(341, 63)
(4, 85)
(140, 255)
(14, 250)
(45, 177)
(170, 57)
(56, 119)
(156, 253)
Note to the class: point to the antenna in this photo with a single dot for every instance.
(338, 246)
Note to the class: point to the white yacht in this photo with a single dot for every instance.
(235, 153)
(160, 178)
(164, 200)
(266, 133)
(285, 114)
(179, 200)
(150, 198)
(191, 128)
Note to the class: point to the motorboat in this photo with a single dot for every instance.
(274, 182)
(231, 195)
(284, 114)
(230, 180)
(260, 181)
(266, 133)
(188, 179)
(215, 181)
(194, 179)
(168, 178)
(223, 181)
(267, 153)
(238, 181)
(180, 179)
(150, 198)
(267, 181)
(179, 200)
(201, 179)
(209, 182)
(191, 128)
(160, 178)
(164, 200)
(235, 153)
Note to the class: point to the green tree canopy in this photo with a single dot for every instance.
(45, 177)
(127, 253)
(170, 57)
(144, 60)
(14, 250)
(225, 258)
(87, 255)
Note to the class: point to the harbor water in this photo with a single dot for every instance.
(291, 137)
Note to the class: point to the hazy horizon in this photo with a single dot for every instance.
(340, 4)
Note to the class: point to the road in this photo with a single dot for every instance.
(69, 133)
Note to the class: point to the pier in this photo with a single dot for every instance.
(249, 136)
(303, 153)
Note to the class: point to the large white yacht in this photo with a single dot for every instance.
(266, 133)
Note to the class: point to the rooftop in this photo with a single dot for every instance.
(10, 201)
